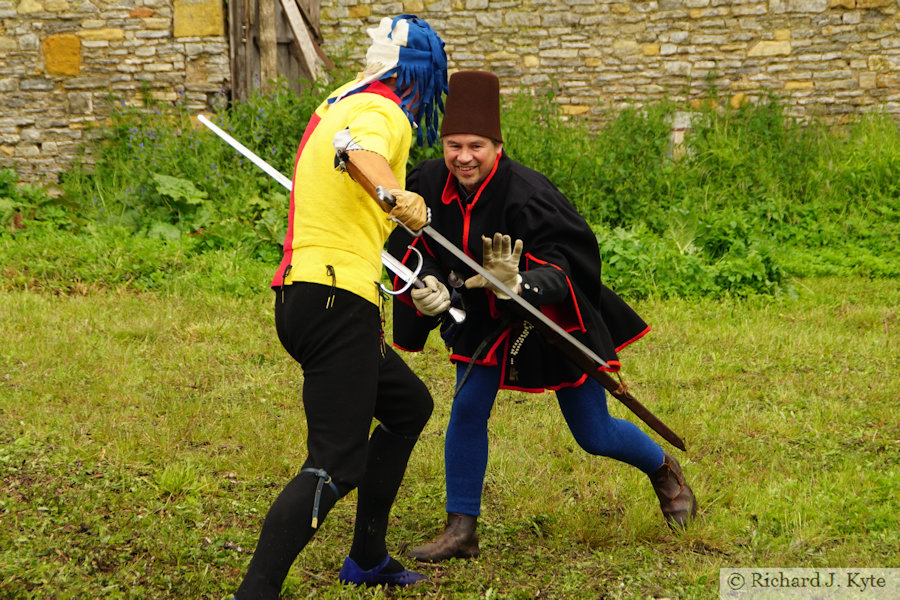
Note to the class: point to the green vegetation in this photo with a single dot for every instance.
(150, 415)
(160, 175)
(750, 201)
(145, 436)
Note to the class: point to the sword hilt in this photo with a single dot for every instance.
(383, 195)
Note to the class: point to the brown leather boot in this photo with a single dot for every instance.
(675, 496)
(459, 540)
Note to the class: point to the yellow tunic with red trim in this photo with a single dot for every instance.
(335, 230)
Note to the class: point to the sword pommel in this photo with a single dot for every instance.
(384, 196)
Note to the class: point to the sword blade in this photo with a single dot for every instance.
(581, 355)
(269, 169)
(521, 302)
(586, 359)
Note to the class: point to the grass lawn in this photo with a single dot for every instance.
(144, 436)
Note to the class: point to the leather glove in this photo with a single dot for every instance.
(500, 260)
(409, 209)
(433, 299)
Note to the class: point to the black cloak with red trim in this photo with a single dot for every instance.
(560, 270)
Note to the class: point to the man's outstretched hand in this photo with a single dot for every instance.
(501, 259)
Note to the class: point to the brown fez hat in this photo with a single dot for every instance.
(473, 105)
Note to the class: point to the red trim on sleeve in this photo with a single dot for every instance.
(614, 366)
(558, 313)
(635, 338)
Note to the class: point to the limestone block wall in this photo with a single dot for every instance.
(826, 57)
(61, 61)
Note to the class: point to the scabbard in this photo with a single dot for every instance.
(620, 392)
(616, 389)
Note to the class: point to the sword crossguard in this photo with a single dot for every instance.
(409, 282)
(412, 232)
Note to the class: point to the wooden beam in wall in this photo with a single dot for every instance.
(307, 45)
(268, 43)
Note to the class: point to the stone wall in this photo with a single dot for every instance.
(826, 57)
(61, 61)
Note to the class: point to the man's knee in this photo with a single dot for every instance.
(336, 478)
(411, 420)
(411, 427)
(470, 408)
(421, 411)
(597, 437)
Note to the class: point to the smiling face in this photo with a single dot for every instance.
(470, 158)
